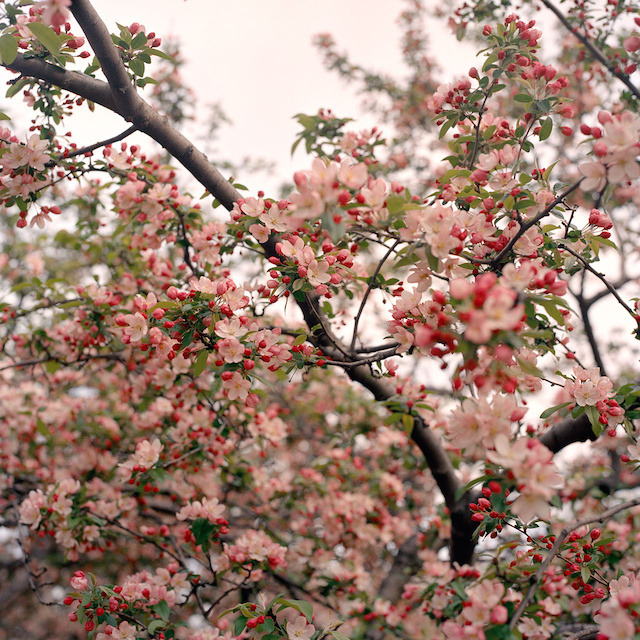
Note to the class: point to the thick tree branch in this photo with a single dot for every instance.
(567, 432)
(122, 88)
(82, 85)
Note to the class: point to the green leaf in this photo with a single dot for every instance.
(298, 284)
(529, 368)
(137, 66)
(160, 54)
(551, 308)
(551, 410)
(162, 609)
(445, 127)
(202, 530)
(16, 87)
(585, 573)
(522, 97)
(154, 625)
(605, 241)
(42, 427)
(308, 122)
(187, 339)
(407, 423)
(139, 39)
(52, 366)
(143, 82)
(301, 339)
(46, 36)
(302, 606)
(200, 363)
(594, 418)
(8, 48)
(545, 129)
(395, 203)
(239, 625)
(295, 145)
(467, 487)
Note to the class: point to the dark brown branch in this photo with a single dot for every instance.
(592, 49)
(122, 88)
(591, 338)
(596, 297)
(72, 81)
(525, 227)
(370, 287)
(92, 147)
(567, 432)
(602, 278)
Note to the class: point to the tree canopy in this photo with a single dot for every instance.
(341, 411)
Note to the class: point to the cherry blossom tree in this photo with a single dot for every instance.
(341, 413)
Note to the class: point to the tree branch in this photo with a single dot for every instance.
(122, 88)
(79, 83)
(96, 145)
(370, 286)
(525, 227)
(591, 48)
(567, 432)
(603, 517)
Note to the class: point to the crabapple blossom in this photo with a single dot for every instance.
(299, 629)
(346, 401)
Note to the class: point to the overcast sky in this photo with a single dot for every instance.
(256, 58)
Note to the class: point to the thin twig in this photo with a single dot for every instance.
(93, 147)
(601, 277)
(356, 363)
(556, 546)
(370, 286)
(81, 360)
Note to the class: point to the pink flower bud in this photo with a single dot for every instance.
(632, 43)
(600, 148)
(499, 614)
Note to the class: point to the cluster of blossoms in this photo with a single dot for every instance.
(209, 509)
(476, 424)
(531, 466)
(617, 618)
(208, 437)
(255, 548)
(234, 341)
(616, 148)
(589, 389)
(146, 455)
(24, 172)
(141, 592)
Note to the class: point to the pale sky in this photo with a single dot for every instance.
(255, 57)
